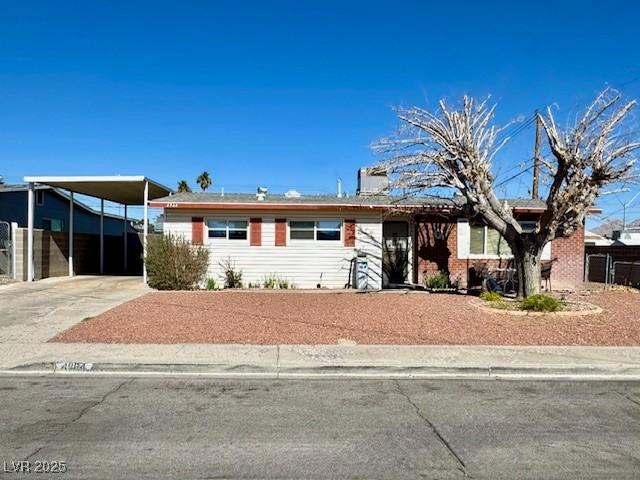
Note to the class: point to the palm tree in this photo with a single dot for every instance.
(204, 180)
(183, 186)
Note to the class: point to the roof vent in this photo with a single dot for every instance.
(292, 194)
(261, 194)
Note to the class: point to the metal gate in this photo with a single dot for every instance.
(601, 268)
(626, 273)
(6, 250)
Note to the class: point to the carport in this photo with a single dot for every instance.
(125, 190)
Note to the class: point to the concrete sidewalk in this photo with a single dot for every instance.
(290, 361)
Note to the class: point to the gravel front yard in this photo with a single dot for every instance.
(299, 317)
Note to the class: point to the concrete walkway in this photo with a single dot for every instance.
(290, 361)
(32, 313)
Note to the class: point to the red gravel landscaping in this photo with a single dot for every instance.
(298, 317)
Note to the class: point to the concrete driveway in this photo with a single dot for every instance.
(35, 312)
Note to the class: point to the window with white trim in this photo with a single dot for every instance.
(228, 229)
(321, 230)
(487, 241)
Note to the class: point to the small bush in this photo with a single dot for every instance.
(270, 281)
(274, 281)
(230, 274)
(491, 296)
(439, 280)
(253, 285)
(173, 263)
(541, 303)
(211, 284)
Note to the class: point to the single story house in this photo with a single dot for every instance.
(316, 240)
(52, 211)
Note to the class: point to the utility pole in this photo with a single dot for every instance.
(536, 159)
(624, 211)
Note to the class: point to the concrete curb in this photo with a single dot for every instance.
(600, 373)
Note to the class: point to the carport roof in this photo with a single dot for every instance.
(127, 190)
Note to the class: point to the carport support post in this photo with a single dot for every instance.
(125, 229)
(101, 235)
(144, 235)
(30, 211)
(71, 235)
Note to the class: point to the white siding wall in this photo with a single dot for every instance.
(305, 263)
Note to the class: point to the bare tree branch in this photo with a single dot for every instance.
(454, 148)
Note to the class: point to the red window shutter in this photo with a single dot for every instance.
(349, 233)
(197, 230)
(255, 232)
(281, 232)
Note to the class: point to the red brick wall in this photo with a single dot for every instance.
(433, 255)
(568, 270)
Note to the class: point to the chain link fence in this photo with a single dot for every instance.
(602, 268)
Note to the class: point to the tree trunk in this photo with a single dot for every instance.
(527, 260)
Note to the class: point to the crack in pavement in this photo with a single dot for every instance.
(80, 415)
(624, 395)
(461, 465)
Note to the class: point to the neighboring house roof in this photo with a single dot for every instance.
(628, 238)
(7, 188)
(592, 238)
(244, 200)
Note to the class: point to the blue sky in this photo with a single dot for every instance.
(284, 94)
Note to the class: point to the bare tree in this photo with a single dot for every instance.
(453, 148)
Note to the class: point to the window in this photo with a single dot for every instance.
(40, 197)
(528, 226)
(302, 230)
(328, 230)
(322, 230)
(229, 229)
(52, 224)
(487, 241)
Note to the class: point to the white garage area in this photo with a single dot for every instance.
(133, 190)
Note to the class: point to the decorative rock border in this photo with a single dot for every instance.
(591, 310)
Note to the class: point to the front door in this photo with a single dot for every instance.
(395, 253)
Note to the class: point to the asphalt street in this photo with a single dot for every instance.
(108, 427)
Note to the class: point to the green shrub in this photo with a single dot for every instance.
(274, 281)
(541, 303)
(211, 284)
(439, 280)
(231, 276)
(173, 263)
(270, 281)
(491, 296)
